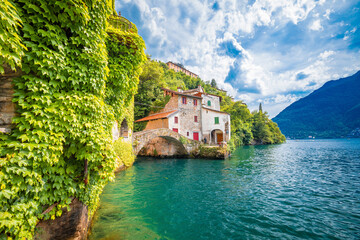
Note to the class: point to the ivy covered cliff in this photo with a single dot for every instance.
(78, 76)
(246, 127)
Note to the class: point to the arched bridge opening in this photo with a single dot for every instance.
(163, 146)
(162, 142)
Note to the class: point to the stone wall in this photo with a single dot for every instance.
(214, 100)
(7, 107)
(158, 123)
(187, 113)
(171, 105)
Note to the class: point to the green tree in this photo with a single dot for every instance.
(264, 130)
(260, 130)
(213, 83)
(240, 122)
(149, 95)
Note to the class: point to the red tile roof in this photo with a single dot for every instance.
(156, 116)
(180, 93)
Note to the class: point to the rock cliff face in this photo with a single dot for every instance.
(72, 224)
(211, 152)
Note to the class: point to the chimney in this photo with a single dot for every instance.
(179, 89)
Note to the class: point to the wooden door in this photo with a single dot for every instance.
(196, 136)
(219, 137)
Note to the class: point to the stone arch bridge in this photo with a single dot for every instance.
(163, 141)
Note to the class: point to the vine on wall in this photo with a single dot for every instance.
(11, 48)
(67, 102)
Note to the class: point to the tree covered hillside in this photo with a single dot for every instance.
(332, 111)
(246, 127)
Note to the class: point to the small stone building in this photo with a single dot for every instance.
(194, 114)
(178, 68)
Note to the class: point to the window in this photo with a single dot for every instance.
(184, 100)
(187, 134)
(176, 119)
(195, 102)
(216, 120)
(209, 103)
(195, 118)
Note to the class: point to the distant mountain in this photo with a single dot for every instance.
(332, 111)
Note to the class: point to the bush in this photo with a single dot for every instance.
(124, 152)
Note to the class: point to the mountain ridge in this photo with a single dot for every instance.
(331, 111)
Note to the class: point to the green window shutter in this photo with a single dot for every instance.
(216, 120)
(209, 103)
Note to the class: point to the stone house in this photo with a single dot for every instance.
(194, 114)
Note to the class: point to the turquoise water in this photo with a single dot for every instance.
(297, 190)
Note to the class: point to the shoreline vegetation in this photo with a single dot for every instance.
(247, 128)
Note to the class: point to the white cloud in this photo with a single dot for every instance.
(327, 13)
(316, 25)
(326, 54)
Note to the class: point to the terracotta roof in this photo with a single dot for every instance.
(180, 93)
(215, 110)
(156, 116)
(199, 93)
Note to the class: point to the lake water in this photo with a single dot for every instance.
(306, 189)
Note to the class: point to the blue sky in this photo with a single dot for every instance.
(268, 51)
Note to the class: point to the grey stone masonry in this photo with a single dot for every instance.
(148, 140)
(143, 138)
(7, 107)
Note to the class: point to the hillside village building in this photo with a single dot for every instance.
(178, 68)
(194, 114)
